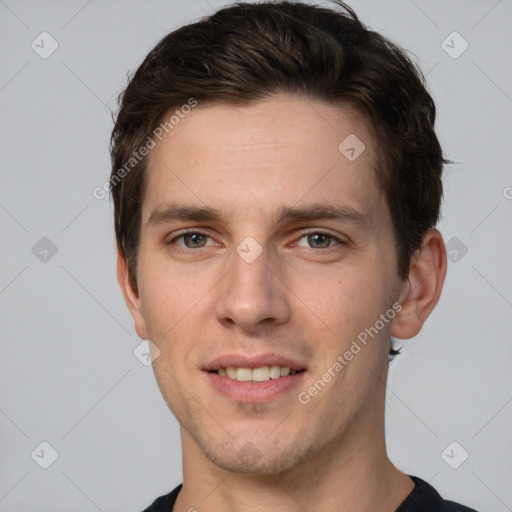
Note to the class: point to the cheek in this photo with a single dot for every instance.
(349, 305)
(343, 300)
(166, 294)
(175, 304)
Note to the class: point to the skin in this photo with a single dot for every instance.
(302, 297)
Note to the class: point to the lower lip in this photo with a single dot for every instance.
(254, 391)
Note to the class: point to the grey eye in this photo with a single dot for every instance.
(317, 240)
(194, 240)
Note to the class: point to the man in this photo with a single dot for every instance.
(276, 181)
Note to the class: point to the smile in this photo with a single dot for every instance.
(260, 374)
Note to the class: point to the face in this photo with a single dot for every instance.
(264, 251)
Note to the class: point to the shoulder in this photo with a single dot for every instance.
(424, 498)
(164, 503)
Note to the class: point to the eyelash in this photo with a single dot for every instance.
(302, 235)
(183, 234)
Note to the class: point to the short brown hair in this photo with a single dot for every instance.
(247, 52)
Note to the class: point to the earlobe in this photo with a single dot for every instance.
(421, 292)
(131, 297)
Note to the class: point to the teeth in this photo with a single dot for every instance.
(261, 374)
(244, 374)
(275, 372)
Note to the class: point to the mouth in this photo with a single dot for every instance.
(259, 374)
(254, 380)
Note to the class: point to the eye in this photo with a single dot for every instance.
(191, 240)
(318, 240)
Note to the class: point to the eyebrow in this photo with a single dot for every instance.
(314, 212)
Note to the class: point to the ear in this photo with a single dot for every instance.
(131, 297)
(422, 289)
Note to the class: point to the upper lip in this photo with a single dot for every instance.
(245, 361)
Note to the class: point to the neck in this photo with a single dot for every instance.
(352, 473)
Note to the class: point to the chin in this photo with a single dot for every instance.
(260, 465)
(259, 458)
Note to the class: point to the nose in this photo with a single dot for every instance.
(252, 295)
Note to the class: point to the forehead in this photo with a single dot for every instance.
(274, 153)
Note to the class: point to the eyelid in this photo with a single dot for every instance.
(302, 234)
(181, 234)
(319, 231)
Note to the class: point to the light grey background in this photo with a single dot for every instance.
(68, 374)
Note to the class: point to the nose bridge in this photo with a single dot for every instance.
(251, 293)
(250, 275)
